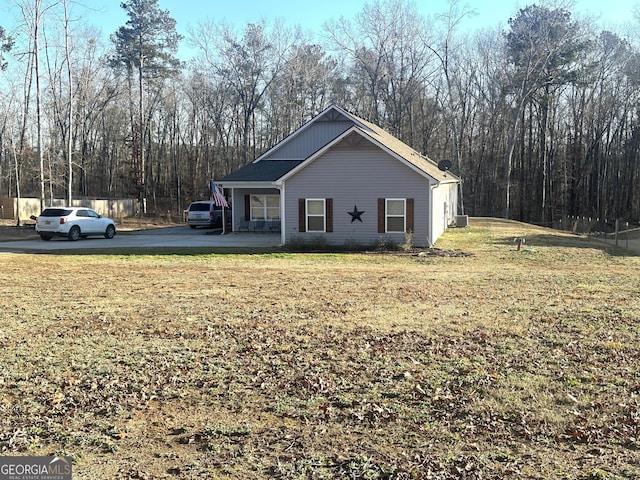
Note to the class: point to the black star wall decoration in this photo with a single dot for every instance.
(355, 215)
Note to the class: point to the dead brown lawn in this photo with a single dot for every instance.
(498, 364)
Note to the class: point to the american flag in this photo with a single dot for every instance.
(217, 197)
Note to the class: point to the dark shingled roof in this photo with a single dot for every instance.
(264, 171)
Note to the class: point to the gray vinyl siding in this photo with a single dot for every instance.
(308, 141)
(358, 176)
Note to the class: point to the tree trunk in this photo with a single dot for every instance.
(70, 108)
(38, 99)
(513, 131)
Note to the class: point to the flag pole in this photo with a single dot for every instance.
(224, 218)
(224, 222)
(220, 201)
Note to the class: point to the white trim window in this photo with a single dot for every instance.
(316, 220)
(265, 207)
(396, 215)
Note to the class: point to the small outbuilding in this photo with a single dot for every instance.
(346, 181)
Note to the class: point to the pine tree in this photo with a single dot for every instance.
(146, 48)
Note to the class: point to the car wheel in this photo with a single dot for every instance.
(74, 233)
(110, 232)
(193, 227)
(46, 237)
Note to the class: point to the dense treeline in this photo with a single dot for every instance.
(540, 120)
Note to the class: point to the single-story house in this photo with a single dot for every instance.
(346, 180)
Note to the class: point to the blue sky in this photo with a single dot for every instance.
(108, 15)
(313, 14)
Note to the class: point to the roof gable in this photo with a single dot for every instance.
(310, 137)
(394, 147)
(296, 151)
(404, 152)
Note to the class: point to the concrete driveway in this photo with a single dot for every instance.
(181, 236)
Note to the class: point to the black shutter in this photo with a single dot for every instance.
(410, 214)
(302, 215)
(381, 215)
(247, 208)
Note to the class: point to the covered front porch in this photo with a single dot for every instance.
(256, 210)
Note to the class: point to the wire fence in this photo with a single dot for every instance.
(619, 232)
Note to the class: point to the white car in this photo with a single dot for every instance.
(73, 223)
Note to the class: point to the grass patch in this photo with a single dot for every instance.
(497, 364)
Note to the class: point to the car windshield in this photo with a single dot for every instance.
(55, 212)
(199, 207)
